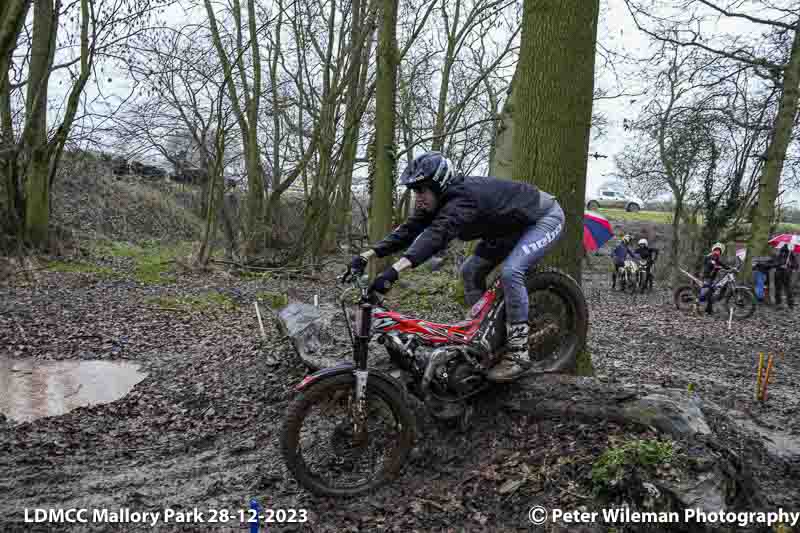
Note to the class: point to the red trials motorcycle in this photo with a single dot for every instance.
(351, 428)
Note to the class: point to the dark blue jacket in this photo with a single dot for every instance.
(621, 252)
(648, 254)
(472, 207)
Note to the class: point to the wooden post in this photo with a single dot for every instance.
(758, 376)
(766, 380)
(260, 323)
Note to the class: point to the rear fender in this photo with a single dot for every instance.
(344, 368)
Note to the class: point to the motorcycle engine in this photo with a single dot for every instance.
(462, 377)
(452, 373)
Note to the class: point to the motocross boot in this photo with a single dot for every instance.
(516, 361)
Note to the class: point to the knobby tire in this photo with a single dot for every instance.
(318, 392)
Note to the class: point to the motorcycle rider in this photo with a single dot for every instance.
(621, 252)
(515, 221)
(712, 264)
(784, 262)
(649, 255)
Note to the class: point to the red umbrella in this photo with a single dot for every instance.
(596, 231)
(786, 238)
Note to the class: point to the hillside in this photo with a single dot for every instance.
(94, 204)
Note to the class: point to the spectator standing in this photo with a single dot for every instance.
(785, 264)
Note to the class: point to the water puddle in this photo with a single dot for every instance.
(31, 389)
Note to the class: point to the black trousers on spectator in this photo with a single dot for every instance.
(783, 283)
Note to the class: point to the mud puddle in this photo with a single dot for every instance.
(31, 389)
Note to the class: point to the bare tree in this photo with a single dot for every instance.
(741, 133)
(675, 147)
(102, 29)
(246, 109)
(778, 65)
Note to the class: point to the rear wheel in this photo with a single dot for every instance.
(632, 208)
(685, 297)
(593, 205)
(742, 301)
(321, 450)
(558, 319)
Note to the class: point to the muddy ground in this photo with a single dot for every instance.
(200, 431)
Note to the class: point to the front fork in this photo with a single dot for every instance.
(362, 335)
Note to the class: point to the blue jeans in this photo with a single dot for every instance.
(705, 290)
(759, 278)
(707, 295)
(521, 253)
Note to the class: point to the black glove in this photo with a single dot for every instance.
(384, 281)
(357, 265)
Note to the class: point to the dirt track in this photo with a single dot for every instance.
(200, 431)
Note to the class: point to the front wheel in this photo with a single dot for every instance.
(742, 301)
(641, 278)
(321, 450)
(685, 297)
(633, 281)
(558, 319)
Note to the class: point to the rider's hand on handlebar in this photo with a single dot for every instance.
(355, 269)
(384, 281)
(357, 265)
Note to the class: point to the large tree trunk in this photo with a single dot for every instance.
(553, 111)
(776, 154)
(37, 197)
(380, 217)
(553, 105)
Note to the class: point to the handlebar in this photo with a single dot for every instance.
(358, 282)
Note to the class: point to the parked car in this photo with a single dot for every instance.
(610, 198)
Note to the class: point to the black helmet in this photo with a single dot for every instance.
(431, 169)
